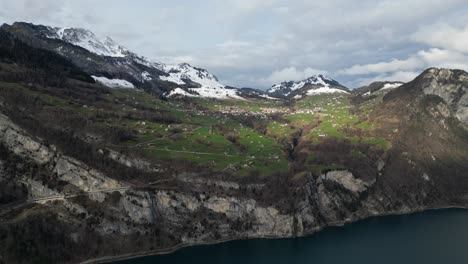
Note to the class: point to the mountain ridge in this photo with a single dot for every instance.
(114, 64)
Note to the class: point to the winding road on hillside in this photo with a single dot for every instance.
(7, 208)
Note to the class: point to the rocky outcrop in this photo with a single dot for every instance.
(21, 144)
(67, 169)
(38, 190)
(131, 162)
(346, 180)
(82, 176)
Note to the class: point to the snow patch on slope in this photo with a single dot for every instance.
(205, 92)
(391, 86)
(216, 92)
(113, 83)
(267, 97)
(325, 90)
(384, 88)
(146, 76)
(321, 90)
(178, 91)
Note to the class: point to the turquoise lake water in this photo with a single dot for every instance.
(431, 237)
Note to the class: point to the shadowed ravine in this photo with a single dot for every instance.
(438, 236)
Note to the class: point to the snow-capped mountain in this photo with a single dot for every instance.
(193, 81)
(318, 84)
(199, 82)
(113, 65)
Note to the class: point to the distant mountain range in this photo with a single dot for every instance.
(113, 65)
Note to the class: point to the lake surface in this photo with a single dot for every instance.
(431, 237)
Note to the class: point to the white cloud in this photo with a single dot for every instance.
(406, 70)
(232, 44)
(382, 67)
(179, 59)
(444, 58)
(249, 5)
(402, 76)
(258, 42)
(24, 9)
(443, 36)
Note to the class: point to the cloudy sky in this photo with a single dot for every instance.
(255, 43)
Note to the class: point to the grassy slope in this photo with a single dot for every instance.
(209, 134)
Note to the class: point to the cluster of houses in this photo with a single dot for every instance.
(233, 110)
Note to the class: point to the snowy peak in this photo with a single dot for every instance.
(89, 41)
(316, 84)
(198, 83)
